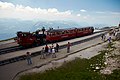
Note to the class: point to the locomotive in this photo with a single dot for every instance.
(39, 37)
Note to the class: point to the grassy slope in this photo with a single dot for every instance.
(78, 69)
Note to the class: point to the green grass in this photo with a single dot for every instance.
(79, 69)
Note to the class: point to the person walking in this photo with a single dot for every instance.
(68, 47)
(57, 47)
(109, 39)
(53, 53)
(49, 50)
(104, 37)
(42, 53)
(28, 57)
(46, 49)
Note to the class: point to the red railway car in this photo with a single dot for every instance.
(29, 39)
(62, 34)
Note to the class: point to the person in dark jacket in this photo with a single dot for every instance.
(68, 47)
(57, 47)
(46, 48)
(28, 57)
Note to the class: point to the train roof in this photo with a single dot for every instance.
(59, 30)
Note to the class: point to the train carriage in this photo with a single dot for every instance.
(52, 35)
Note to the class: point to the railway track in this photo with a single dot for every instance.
(23, 57)
(10, 49)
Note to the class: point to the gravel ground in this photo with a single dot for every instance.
(112, 60)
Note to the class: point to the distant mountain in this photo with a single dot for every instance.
(9, 27)
(55, 24)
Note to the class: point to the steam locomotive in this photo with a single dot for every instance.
(39, 37)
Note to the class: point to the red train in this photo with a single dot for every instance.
(26, 39)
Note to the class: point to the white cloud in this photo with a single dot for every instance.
(5, 5)
(82, 10)
(78, 15)
(9, 10)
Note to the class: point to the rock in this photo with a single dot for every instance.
(97, 68)
(105, 63)
(106, 54)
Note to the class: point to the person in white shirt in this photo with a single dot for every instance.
(53, 53)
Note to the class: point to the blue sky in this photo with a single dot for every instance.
(90, 11)
(92, 5)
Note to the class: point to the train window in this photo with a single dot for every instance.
(47, 33)
(71, 31)
(24, 35)
(67, 32)
(50, 34)
(82, 29)
(53, 34)
(63, 32)
(58, 33)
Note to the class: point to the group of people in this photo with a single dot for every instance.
(106, 37)
(47, 50)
